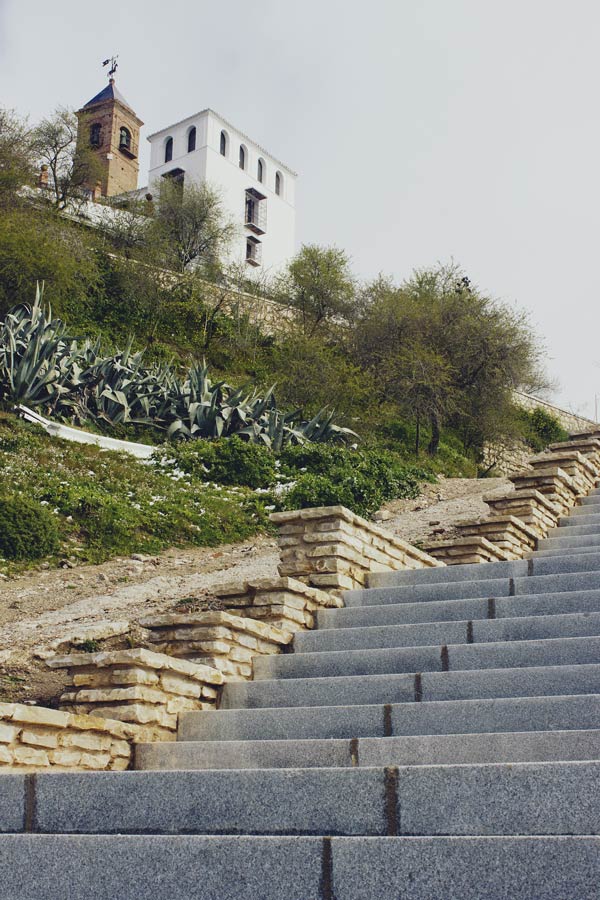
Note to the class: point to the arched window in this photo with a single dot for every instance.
(192, 139)
(95, 134)
(224, 143)
(124, 138)
(260, 174)
(278, 183)
(242, 157)
(169, 149)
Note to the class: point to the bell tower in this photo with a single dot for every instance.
(111, 129)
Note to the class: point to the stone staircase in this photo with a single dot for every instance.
(437, 738)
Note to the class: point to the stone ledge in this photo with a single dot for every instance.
(228, 642)
(330, 547)
(138, 686)
(506, 532)
(466, 550)
(34, 737)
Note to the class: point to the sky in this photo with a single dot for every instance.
(423, 131)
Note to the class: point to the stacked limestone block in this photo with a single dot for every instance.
(588, 446)
(33, 737)
(508, 533)
(223, 641)
(330, 547)
(138, 686)
(284, 602)
(528, 505)
(579, 467)
(463, 551)
(551, 481)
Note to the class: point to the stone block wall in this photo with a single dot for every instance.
(33, 737)
(548, 488)
(284, 602)
(221, 640)
(138, 686)
(330, 547)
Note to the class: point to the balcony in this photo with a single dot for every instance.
(253, 251)
(255, 211)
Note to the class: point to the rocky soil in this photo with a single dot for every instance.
(55, 609)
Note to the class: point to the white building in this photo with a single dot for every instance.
(258, 190)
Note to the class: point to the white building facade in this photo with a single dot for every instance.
(258, 191)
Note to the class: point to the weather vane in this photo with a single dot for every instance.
(113, 65)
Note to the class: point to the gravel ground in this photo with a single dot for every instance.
(48, 609)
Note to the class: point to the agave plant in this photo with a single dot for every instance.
(40, 365)
(34, 356)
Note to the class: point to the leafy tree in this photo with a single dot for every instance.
(16, 156)
(445, 351)
(320, 285)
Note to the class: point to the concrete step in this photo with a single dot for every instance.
(552, 578)
(521, 628)
(438, 717)
(417, 750)
(563, 539)
(460, 610)
(534, 681)
(588, 519)
(446, 574)
(450, 657)
(577, 528)
(199, 867)
(515, 798)
(590, 499)
(560, 550)
(588, 510)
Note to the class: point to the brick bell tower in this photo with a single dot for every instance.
(109, 126)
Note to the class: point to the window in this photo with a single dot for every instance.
(192, 139)
(253, 251)
(124, 139)
(260, 174)
(95, 134)
(278, 183)
(242, 157)
(169, 149)
(223, 144)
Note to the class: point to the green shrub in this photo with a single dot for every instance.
(359, 479)
(27, 529)
(541, 428)
(230, 461)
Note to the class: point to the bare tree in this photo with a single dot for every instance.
(70, 168)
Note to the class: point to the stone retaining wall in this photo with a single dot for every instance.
(137, 686)
(285, 602)
(550, 485)
(221, 640)
(330, 547)
(33, 737)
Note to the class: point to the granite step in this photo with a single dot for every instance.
(411, 687)
(416, 750)
(552, 578)
(197, 867)
(591, 519)
(577, 527)
(520, 628)
(438, 717)
(457, 610)
(440, 658)
(563, 539)
(551, 798)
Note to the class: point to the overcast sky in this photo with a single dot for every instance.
(422, 130)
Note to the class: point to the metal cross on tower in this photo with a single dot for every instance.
(113, 65)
